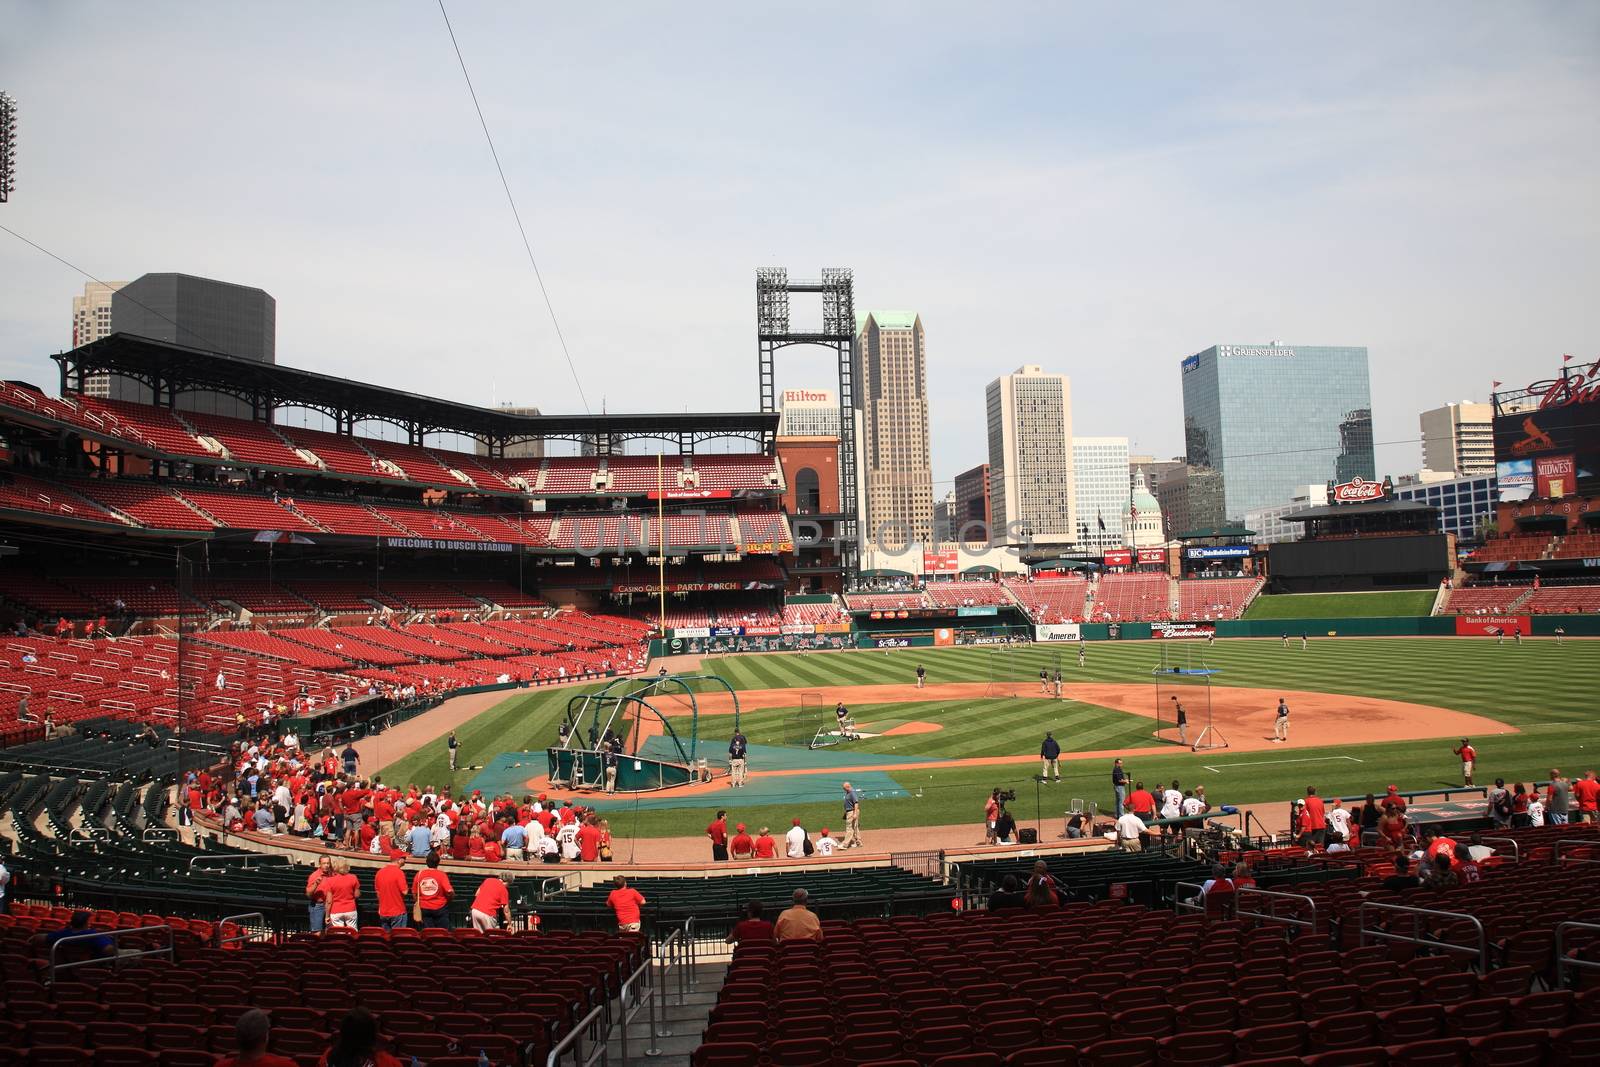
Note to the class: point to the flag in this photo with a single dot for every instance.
(1101, 519)
(1496, 385)
(1566, 358)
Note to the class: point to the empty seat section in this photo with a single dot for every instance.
(247, 441)
(346, 517)
(638, 474)
(567, 474)
(966, 594)
(905, 601)
(760, 529)
(736, 471)
(1215, 598)
(419, 464)
(1126, 597)
(1051, 598)
(338, 452)
(247, 511)
(152, 504)
(426, 522)
(1565, 599)
(20, 492)
(145, 424)
(1484, 599)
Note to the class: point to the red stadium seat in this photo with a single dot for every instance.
(1197, 1048)
(1124, 1052)
(1365, 1056)
(857, 1047)
(1044, 1056)
(1511, 1048)
(1440, 1052)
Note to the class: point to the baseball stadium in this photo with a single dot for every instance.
(373, 628)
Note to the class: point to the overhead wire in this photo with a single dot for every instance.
(527, 246)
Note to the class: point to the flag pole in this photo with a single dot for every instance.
(661, 559)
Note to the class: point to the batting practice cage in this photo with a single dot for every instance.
(1185, 679)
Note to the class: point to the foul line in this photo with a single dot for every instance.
(1269, 762)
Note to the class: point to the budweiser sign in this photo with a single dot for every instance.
(1581, 386)
(1358, 489)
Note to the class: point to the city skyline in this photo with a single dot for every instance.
(1181, 191)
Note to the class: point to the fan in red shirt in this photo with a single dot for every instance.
(433, 890)
(390, 883)
(753, 928)
(1314, 820)
(252, 1032)
(626, 903)
(743, 846)
(1442, 844)
(342, 890)
(492, 904)
(589, 841)
(718, 833)
(1393, 797)
(766, 847)
(1587, 793)
(1142, 803)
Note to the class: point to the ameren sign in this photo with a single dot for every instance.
(1254, 350)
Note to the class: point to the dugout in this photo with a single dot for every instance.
(1386, 544)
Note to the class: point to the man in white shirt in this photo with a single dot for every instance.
(1535, 811)
(826, 844)
(1338, 817)
(1129, 829)
(282, 797)
(796, 838)
(1171, 802)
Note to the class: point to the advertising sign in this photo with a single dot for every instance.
(1117, 557)
(1167, 630)
(799, 628)
(725, 631)
(1359, 491)
(1562, 431)
(1152, 555)
(833, 627)
(944, 636)
(691, 631)
(980, 609)
(1514, 477)
(947, 562)
(1491, 625)
(893, 642)
(763, 631)
(1061, 631)
(1216, 552)
(442, 544)
(689, 494)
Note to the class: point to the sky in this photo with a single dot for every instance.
(1099, 189)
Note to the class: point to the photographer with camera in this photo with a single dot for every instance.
(999, 826)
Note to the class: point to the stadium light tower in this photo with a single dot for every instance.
(8, 145)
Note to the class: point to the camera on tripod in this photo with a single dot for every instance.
(1006, 796)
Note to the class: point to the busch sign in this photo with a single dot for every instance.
(1358, 490)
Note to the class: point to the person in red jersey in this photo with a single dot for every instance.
(625, 902)
(718, 833)
(342, 890)
(252, 1032)
(1314, 820)
(1142, 803)
(589, 840)
(433, 892)
(1468, 754)
(753, 928)
(391, 884)
(743, 846)
(1586, 791)
(766, 847)
(491, 905)
(357, 1044)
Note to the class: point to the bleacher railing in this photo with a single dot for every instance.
(118, 955)
(1563, 961)
(248, 930)
(1242, 897)
(1480, 951)
(1562, 857)
(243, 859)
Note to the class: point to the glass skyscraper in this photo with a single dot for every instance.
(1274, 418)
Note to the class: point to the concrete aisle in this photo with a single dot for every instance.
(687, 1021)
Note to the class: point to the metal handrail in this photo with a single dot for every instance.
(1516, 849)
(1577, 842)
(1482, 950)
(645, 975)
(115, 936)
(575, 1038)
(544, 883)
(1197, 902)
(1269, 915)
(1562, 962)
(238, 921)
(247, 857)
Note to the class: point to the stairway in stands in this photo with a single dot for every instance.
(686, 1021)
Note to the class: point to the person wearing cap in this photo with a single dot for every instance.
(738, 751)
(1392, 798)
(1280, 724)
(852, 818)
(742, 846)
(1467, 754)
(492, 904)
(251, 1033)
(825, 844)
(798, 922)
(796, 841)
(1050, 753)
(1339, 818)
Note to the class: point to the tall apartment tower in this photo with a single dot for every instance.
(892, 393)
(1031, 483)
(91, 320)
(204, 313)
(1459, 438)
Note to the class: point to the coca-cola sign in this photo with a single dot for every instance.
(1358, 490)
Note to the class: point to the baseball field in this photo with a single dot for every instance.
(1364, 713)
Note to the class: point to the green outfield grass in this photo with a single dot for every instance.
(1411, 603)
(1538, 687)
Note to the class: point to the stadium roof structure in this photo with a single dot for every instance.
(170, 369)
(1213, 532)
(1347, 511)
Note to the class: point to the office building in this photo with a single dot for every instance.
(1272, 525)
(893, 459)
(1030, 458)
(808, 413)
(1459, 438)
(531, 448)
(971, 515)
(1100, 489)
(1190, 499)
(203, 313)
(91, 320)
(944, 529)
(1464, 503)
(1155, 470)
(1272, 417)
